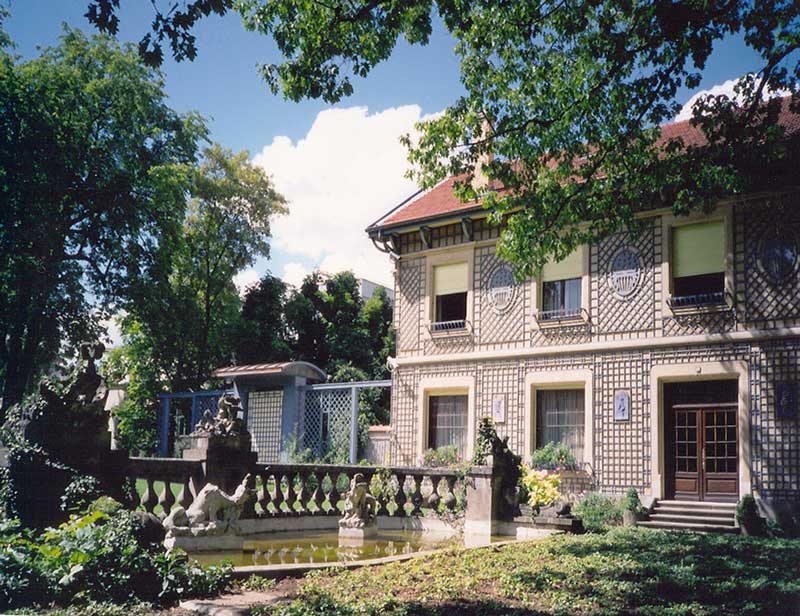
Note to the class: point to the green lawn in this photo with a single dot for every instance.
(627, 571)
(158, 487)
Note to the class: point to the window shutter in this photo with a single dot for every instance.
(570, 267)
(698, 249)
(450, 278)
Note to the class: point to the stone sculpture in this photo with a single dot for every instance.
(226, 422)
(213, 512)
(359, 510)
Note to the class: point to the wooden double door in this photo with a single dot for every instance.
(704, 453)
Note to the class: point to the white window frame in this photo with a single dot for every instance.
(722, 213)
(445, 386)
(445, 258)
(560, 379)
(537, 294)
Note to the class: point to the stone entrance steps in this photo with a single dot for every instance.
(704, 517)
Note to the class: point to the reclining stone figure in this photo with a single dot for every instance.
(213, 512)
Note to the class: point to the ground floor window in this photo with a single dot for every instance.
(560, 418)
(447, 422)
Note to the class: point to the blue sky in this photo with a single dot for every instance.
(341, 167)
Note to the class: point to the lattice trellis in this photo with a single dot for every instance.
(491, 325)
(326, 424)
(766, 300)
(775, 441)
(264, 411)
(410, 286)
(716, 322)
(637, 311)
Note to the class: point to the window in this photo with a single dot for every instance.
(560, 419)
(561, 288)
(450, 293)
(447, 422)
(698, 264)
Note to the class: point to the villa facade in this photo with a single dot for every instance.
(668, 361)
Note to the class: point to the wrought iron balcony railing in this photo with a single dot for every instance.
(445, 327)
(561, 315)
(715, 299)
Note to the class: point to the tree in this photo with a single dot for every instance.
(306, 324)
(188, 306)
(262, 330)
(377, 315)
(562, 100)
(346, 336)
(91, 171)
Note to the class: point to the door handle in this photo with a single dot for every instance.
(703, 458)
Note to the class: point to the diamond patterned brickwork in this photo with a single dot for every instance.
(766, 301)
(503, 379)
(622, 448)
(408, 308)
(492, 325)
(636, 312)
(564, 334)
(775, 441)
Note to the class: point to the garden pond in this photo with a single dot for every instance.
(286, 548)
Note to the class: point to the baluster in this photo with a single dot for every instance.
(149, 500)
(319, 496)
(303, 493)
(249, 508)
(416, 497)
(133, 494)
(450, 496)
(185, 496)
(278, 500)
(166, 500)
(333, 496)
(401, 495)
(264, 497)
(383, 496)
(434, 498)
(291, 495)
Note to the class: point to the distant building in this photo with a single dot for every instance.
(367, 288)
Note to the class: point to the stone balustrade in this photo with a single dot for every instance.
(287, 490)
(158, 484)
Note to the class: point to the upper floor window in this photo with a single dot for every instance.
(698, 264)
(450, 296)
(561, 288)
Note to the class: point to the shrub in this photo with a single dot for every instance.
(80, 493)
(441, 456)
(554, 456)
(631, 502)
(541, 487)
(747, 516)
(598, 512)
(106, 504)
(98, 557)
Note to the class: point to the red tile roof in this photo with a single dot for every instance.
(440, 201)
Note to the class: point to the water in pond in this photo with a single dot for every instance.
(322, 547)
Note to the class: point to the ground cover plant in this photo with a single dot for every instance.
(626, 571)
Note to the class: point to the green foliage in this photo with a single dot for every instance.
(625, 571)
(262, 334)
(93, 165)
(483, 442)
(80, 493)
(446, 456)
(748, 518)
(98, 557)
(105, 505)
(631, 502)
(554, 456)
(598, 512)
(256, 583)
(560, 99)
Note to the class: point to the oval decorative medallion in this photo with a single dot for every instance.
(624, 273)
(777, 255)
(502, 289)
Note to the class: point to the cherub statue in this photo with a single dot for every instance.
(359, 505)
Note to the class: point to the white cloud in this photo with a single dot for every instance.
(342, 176)
(726, 88)
(293, 273)
(246, 278)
